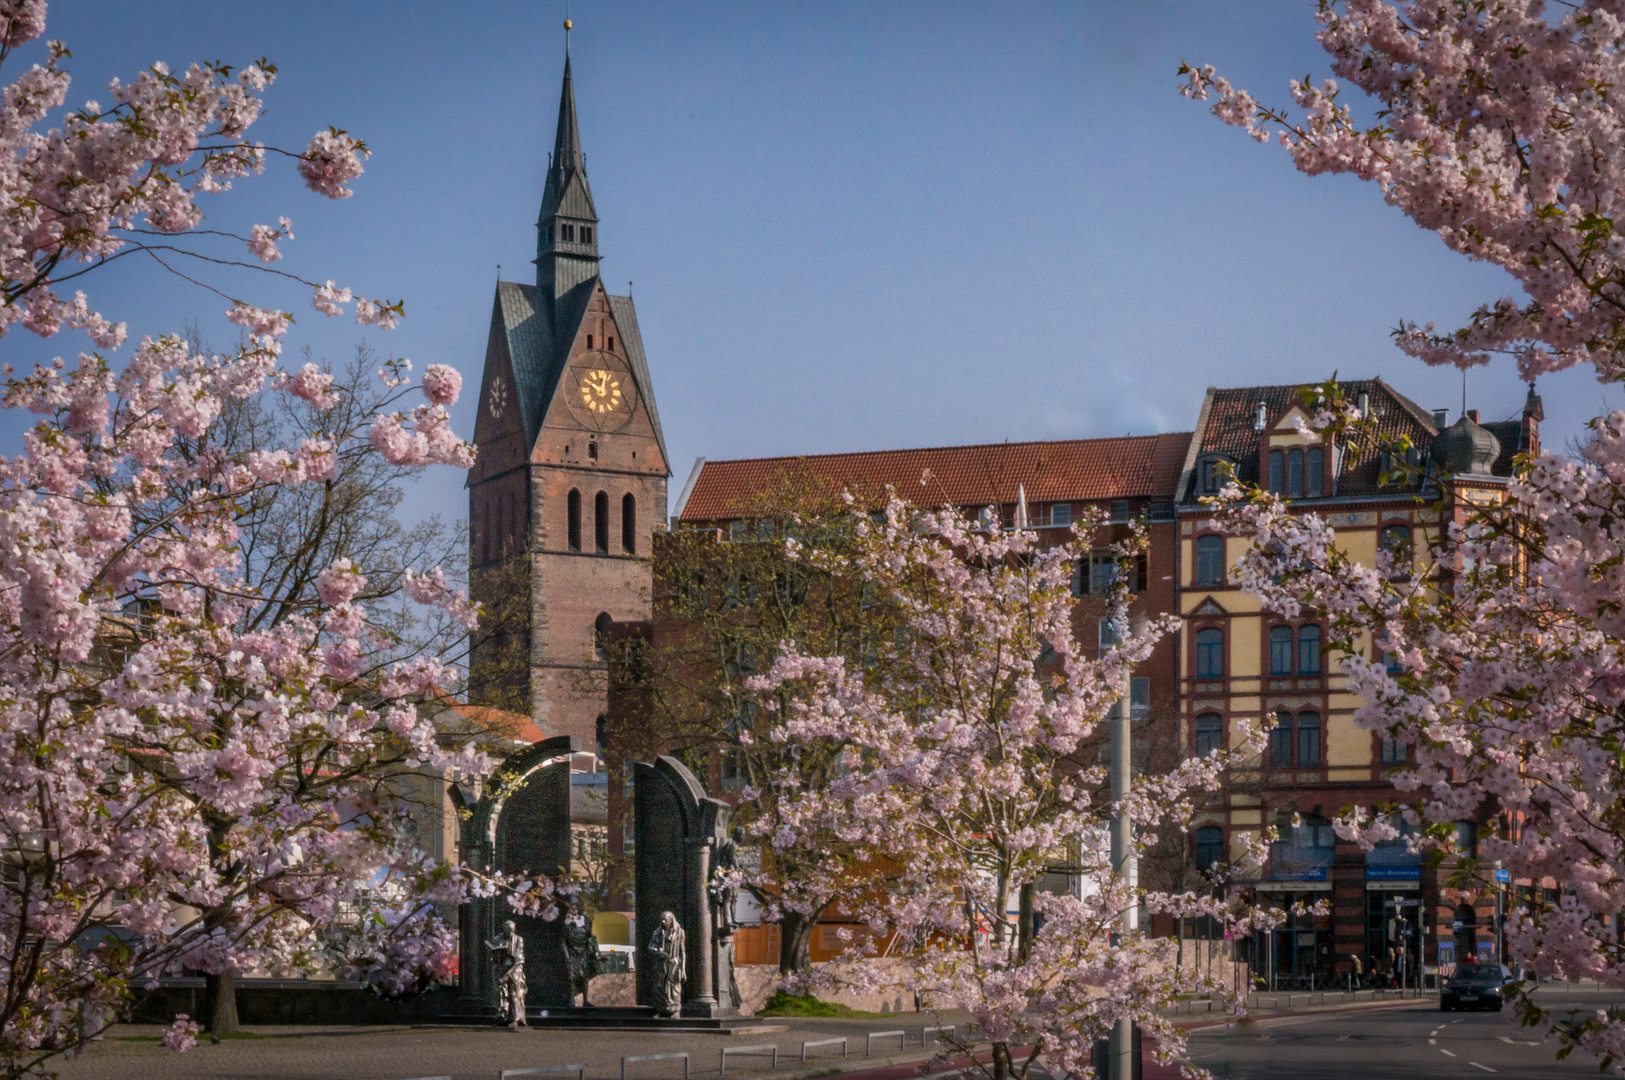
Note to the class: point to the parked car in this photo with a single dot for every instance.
(1475, 986)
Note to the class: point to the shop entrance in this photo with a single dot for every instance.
(1393, 935)
(1296, 955)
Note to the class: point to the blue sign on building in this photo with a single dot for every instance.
(1393, 873)
(1503, 876)
(1302, 873)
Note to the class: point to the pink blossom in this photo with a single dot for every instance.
(181, 1035)
(441, 384)
(313, 384)
(329, 297)
(330, 162)
(260, 321)
(340, 583)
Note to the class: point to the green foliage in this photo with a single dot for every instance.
(783, 1004)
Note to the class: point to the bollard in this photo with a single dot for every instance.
(949, 1028)
(823, 1042)
(654, 1057)
(722, 1068)
(869, 1040)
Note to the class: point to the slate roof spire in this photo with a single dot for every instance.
(567, 227)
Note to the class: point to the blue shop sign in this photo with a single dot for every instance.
(1303, 873)
(1503, 876)
(1393, 873)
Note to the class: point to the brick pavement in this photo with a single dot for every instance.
(394, 1053)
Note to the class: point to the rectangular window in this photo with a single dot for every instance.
(1281, 741)
(1139, 697)
(1280, 650)
(1277, 471)
(1308, 650)
(1210, 654)
(1120, 510)
(1308, 740)
(1060, 514)
(738, 531)
(1209, 734)
(1210, 560)
(1315, 483)
(1102, 571)
(1394, 752)
(1294, 473)
(1108, 634)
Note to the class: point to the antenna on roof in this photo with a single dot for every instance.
(1464, 391)
(567, 25)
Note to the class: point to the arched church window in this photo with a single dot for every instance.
(629, 524)
(600, 522)
(573, 502)
(600, 634)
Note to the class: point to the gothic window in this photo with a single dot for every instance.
(1308, 650)
(1308, 740)
(1210, 654)
(1209, 847)
(1280, 650)
(600, 522)
(592, 451)
(1210, 560)
(600, 634)
(1315, 482)
(1209, 734)
(573, 502)
(629, 524)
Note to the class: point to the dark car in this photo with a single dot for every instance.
(1475, 986)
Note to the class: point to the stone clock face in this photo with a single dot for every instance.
(601, 393)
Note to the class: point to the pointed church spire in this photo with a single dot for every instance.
(567, 227)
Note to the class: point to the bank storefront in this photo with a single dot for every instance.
(1297, 955)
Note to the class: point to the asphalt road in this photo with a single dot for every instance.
(1399, 1043)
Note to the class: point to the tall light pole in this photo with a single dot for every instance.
(1121, 1049)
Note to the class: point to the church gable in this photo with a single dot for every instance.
(600, 394)
(499, 429)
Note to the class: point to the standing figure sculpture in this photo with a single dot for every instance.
(723, 892)
(580, 950)
(669, 953)
(509, 954)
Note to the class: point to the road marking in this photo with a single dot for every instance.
(1476, 1065)
(1435, 1031)
(1516, 1042)
(1433, 1042)
(1442, 1050)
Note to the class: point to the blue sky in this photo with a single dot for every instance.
(851, 225)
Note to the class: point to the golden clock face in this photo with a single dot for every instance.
(600, 392)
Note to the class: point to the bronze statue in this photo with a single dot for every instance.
(580, 950)
(723, 892)
(509, 954)
(669, 953)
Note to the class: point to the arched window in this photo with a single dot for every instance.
(600, 634)
(1280, 650)
(1396, 542)
(629, 524)
(1281, 740)
(1209, 847)
(1210, 560)
(1277, 471)
(1315, 482)
(1209, 734)
(573, 502)
(1308, 740)
(1210, 654)
(600, 521)
(1308, 650)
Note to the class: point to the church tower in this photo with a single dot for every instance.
(570, 484)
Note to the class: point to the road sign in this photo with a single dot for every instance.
(1503, 876)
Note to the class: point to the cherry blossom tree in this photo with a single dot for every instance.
(196, 771)
(1500, 128)
(966, 772)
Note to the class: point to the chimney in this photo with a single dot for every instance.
(1441, 418)
(1262, 419)
(1363, 403)
(1472, 414)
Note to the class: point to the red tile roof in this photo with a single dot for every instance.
(1073, 469)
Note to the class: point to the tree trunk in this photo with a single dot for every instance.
(1001, 1061)
(795, 942)
(1024, 921)
(221, 991)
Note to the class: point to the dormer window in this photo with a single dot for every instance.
(1213, 471)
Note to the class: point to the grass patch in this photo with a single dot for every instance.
(782, 1004)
